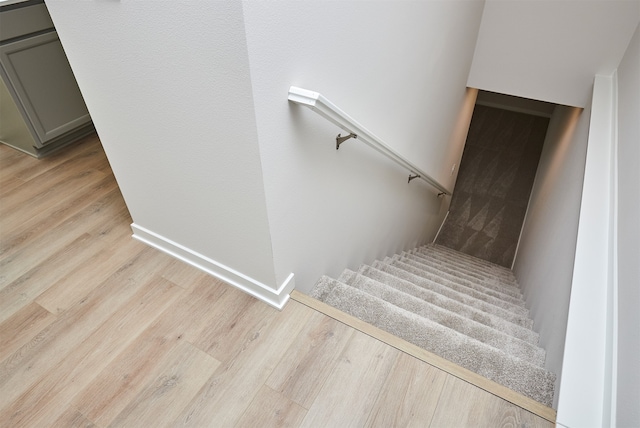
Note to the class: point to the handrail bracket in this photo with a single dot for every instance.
(340, 140)
(325, 108)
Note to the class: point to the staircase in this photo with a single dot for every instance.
(464, 309)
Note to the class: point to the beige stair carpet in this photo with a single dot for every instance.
(466, 310)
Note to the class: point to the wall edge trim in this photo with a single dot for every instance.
(276, 298)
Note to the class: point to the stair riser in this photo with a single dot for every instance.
(485, 285)
(516, 309)
(428, 251)
(463, 298)
(492, 363)
(492, 267)
(438, 275)
(467, 310)
(477, 331)
(477, 315)
(510, 285)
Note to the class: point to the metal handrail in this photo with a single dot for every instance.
(325, 108)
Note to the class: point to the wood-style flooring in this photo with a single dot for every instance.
(96, 329)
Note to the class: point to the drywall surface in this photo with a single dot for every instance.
(168, 87)
(628, 379)
(584, 386)
(549, 50)
(544, 262)
(398, 68)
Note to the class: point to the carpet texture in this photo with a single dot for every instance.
(461, 308)
(494, 182)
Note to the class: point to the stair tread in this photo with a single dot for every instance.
(469, 258)
(495, 270)
(492, 363)
(493, 289)
(464, 309)
(519, 309)
(508, 286)
(453, 294)
(439, 273)
(487, 335)
(468, 311)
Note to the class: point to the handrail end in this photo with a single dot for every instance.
(303, 96)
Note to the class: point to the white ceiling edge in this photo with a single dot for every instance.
(551, 50)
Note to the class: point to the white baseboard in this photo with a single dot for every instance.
(276, 298)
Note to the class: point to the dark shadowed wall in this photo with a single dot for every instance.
(494, 183)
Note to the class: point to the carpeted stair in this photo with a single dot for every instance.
(464, 309)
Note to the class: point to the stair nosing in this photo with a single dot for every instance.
(468, 257)
(479, 304)
(507, 365)
(491, 320)
(513, 293)
(519, 309)
(468, 327)
(508, 284)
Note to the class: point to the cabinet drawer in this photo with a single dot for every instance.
(20, 21)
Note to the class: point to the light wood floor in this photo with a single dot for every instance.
(99, 330)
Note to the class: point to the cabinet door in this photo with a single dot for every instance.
(40, 76)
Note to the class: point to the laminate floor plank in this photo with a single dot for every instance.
(106, 210)
(22, 326)
(348, 396)
(186, 371)
(81, 281)
(33, 360)
(13, 163)
(126, 376)
(53, 391)
(45, 190)
(30, 229)
(271, 409)
(463, 405)
(182, 274)
(7, 185)
(73, 153)
(72, 418)
(33, 283)
(225, 397)
(410, 395)
(20, 292)
(508, 415)
(8, 156)
(239, 318)
(98, 329)
(14, 219)
(302, 372)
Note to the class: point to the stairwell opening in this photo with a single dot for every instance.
(495, 178)
(465, 309)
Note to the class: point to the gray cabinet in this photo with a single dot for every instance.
(39, 86)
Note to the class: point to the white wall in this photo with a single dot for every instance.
(600, 383)
(168, 87)
(190, 102)
(586, 375)
(398, 68)
(544, 263)
(628, 379)
(550, 50)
